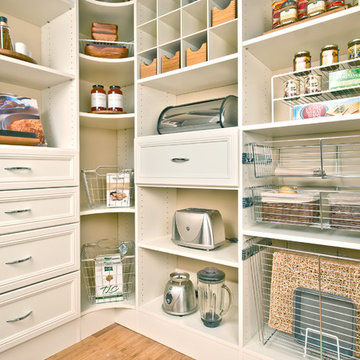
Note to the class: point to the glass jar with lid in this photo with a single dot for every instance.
(288, 12)
(302, 9)
(329, 56)
(115, 98)
(276, 7)
(316, 7)
(98, 98)
(354, 52)
(302, 62)
(5, 39)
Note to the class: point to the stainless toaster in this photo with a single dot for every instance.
(198, 228)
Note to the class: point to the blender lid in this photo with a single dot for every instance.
(211, 274)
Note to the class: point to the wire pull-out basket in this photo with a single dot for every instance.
(307, 303)
(109, 186)
(108, 270)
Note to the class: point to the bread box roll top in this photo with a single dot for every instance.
(203, 115)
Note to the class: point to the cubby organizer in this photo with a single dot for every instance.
(108, 270)
(190, 24)
(324, 208)
(306, 302)
(333, 157)
(326, 94)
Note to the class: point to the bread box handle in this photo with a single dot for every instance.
(180, 160)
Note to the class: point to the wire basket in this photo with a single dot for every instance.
(108, 270)
(307, 302)
(109, 186)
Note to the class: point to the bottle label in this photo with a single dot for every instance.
(98, 100)
(329, 57)
(115, 101)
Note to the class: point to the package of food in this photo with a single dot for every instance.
(344, 78)
(108, 278)
(337, 107)
(118, 189)
(21, 114)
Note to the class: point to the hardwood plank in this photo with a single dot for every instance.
(116, 342)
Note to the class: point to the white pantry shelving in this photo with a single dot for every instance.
(108, 121)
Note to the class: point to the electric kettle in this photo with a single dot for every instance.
(179, 295)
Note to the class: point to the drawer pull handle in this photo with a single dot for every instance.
(179, 160)
(20, 318)
(17, 211)
(18, 261)
(17, 168)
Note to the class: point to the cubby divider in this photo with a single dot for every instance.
(169, 27)
(146, 11)
(147, 36)
(167, 6)
(194, 18)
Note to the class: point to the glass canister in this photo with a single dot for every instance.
(333, 4)
(354, 52)
(329, 55)
(276, 7)
(115, 98)
(288, 12)
(316, 7)
(302, 62)
(5, 39)
(211, 289)
(302, 9)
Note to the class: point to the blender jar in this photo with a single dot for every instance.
(211, 289)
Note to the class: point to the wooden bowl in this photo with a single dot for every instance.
(109, 52)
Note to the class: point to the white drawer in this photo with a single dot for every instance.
(34, 167)
(197, 158)
(33, 310)
(32, 256)
(22, 210)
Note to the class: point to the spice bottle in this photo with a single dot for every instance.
(354, 51)
(302, 62)
(5, 39)
(316, 7)
(329, 56)
(98, 98)
(288, 12)
(115, 98)
(302, 9)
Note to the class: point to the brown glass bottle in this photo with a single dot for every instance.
(5, 39)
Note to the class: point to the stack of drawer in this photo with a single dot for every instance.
(39, 242)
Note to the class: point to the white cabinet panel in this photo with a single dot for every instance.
(206, 158)
(32, 256)
(30, 209)
(37, 167)
(30, 311)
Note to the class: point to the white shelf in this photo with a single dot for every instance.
(106, 210)
(225, 255)
(111, 121)
(215, 73)
(107, 71)
(121, 14)
(87, 307)
(30, 75)
(338, 28)
(342, 239)
(226, 332)
(37, 12)
(309, 126)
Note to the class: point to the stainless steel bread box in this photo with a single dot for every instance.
(198, 228)
(203, 115)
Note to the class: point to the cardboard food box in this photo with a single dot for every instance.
(21, 115)
(337, 107)
(108, 278)
(118, 186)
(344, 78)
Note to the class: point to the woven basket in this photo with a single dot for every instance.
(301, 214)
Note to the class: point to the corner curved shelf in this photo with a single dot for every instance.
(107, 71)
(106, 210)
(87, 307)
(111, 121)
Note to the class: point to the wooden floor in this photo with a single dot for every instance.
(118, 343)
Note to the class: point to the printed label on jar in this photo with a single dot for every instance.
(115, 101)
(98, 100)
(302, 63)
(288, 16)
(332, 4)
(312, 84)
(329, 57)
(316, 8)
(291, 88)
